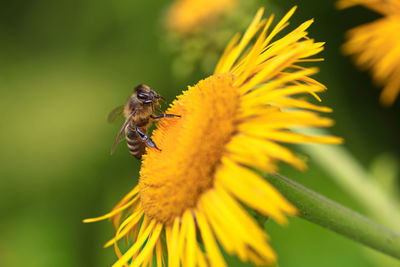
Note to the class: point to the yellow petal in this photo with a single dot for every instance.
(211, 246)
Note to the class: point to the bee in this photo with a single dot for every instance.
(139, 112)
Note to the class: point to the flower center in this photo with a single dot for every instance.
(172, 180)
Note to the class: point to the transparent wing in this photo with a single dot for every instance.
(115, 113)
(121, 132)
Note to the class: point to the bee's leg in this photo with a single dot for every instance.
(163, 115)
(146, 139)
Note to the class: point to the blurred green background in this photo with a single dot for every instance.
(65, 64)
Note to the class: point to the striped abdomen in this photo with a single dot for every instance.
(135, 145)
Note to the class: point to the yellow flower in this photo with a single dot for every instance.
(376, 45)
(203, 179)
(185, 16)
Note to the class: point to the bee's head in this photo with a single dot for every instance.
(146, 95)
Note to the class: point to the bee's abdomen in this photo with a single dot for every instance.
(135, 145)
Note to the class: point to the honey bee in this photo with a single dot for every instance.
(139, 113)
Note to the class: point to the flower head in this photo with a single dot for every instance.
(232, 123)
(185, 16)
(376, 45)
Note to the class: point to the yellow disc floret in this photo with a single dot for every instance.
(172, 180)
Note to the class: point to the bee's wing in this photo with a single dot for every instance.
(118, 138)
(115, 113)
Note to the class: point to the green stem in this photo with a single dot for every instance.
(352, 177)
(326, 213)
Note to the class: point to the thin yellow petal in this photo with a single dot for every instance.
(269, 97)
(191, 239)
(251, 58)
(133, 192)
(126, 226)
(182, 242)
(173, 240)
(213, 253)
(284, 120)
(201, 261)
(230, 59)
(136, 246)
(148, 248)
(290, 137)
(159, 254)
(254, 191)
(113, 212)
(223, 234)
(251, 146)
(248, 233)
(226, 53)
(285, 102)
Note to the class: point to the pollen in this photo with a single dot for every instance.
(172, 180)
